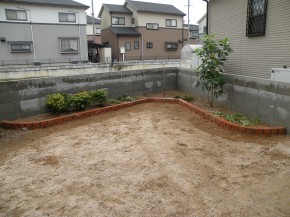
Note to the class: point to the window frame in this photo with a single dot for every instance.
(170, 25)
(20, 43)
(67, 21)
(152, 24)
(193, 34)
(16, 10)
(136, 43)
(129, 47)
(69, 51)
(253, 19)
(118, 21)
(149, 45)
(98, 31)
(173, 47)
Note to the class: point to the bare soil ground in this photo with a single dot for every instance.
(147, 160)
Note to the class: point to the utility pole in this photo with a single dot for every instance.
(188, 6)
(93, 15)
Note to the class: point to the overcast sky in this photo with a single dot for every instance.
(197, 9)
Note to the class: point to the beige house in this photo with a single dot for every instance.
(91, 24)
(259, 31)
(146, 30)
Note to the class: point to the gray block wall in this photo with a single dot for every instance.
(24, 98)
(257, 98)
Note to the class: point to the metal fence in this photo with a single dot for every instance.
(47, 62)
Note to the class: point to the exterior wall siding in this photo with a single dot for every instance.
(43, 14)
(252, 56)
(46, 41)
(154, 36)
(43, 29)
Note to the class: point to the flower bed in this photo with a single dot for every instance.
(261, 130)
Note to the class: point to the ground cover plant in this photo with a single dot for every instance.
(184, 97)
(239, 119)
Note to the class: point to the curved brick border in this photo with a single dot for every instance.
(216, 120)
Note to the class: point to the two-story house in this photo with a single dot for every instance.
(202, 26)
(42, 31)
(192, 34)
(145, 30)
(91, 24)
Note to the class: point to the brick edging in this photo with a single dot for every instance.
(216, 120)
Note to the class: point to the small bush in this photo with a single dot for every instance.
(57, 103)
(99, 96)
(81, 100)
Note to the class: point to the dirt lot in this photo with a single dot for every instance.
(148, 160)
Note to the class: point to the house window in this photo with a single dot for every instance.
(154, 26)
(118, 20)
(67, 17)
(128, 45)
(205, 29)
(136, 45)
(20, 47)
(16, 15)
(149, 44)
(256, 20)
(133, 21)
(69, 45)
(193, 34)
(98, 31)
(171, 23)
(171, 45)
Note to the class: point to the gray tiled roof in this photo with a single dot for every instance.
(49, 2)
(124, 31)
(117, 8)
(192, 27)
(155, 8)
(90, 20)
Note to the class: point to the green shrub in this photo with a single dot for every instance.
(99, 96)
(81, 100)
(57, 103)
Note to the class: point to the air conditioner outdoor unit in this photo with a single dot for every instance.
(280, 74)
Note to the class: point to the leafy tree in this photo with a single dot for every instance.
(213, 54)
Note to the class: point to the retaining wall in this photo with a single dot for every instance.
(24, 98)
(258, 98)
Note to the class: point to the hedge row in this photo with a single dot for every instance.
(57, 103)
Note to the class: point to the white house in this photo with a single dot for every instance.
(202, 26)
(42, 31)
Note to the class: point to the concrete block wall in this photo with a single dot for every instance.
(24, 98)
(258, 98)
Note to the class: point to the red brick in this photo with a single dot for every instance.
(267, 131)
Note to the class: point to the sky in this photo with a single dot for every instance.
(197, 8)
